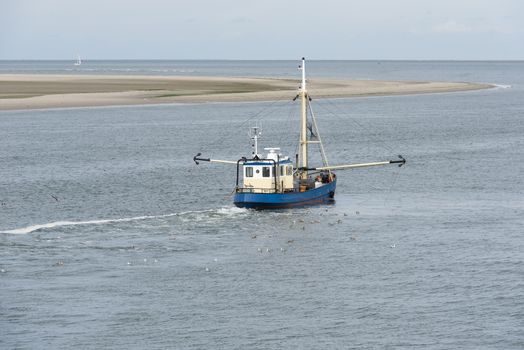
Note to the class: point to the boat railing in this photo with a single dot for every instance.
(262, 190)
(255, 190)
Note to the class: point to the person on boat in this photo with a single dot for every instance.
(318, 181)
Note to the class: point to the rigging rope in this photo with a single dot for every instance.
(329, 106)
(319, 138)
(339, 112)
(221, 135)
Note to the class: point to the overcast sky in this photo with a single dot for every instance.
(262, 29)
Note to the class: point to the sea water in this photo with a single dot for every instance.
(113, 238)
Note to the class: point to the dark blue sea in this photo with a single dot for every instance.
(112, 238)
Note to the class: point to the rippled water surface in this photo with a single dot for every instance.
(113, 238)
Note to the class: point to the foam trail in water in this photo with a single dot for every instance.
(32, 228)
(29, 229)
(231, 210)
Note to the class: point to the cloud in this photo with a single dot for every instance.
(241, 19)
(480, 26)
(451, 27)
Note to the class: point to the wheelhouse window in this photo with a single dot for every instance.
(282, 170)
(249, 171)
(289, 170)
(266, 171)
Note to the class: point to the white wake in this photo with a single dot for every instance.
(33, 228)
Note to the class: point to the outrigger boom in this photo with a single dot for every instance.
(400, 163)
(196, 159)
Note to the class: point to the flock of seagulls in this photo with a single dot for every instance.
(145, 261)
(260, 250)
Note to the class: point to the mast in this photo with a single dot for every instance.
(303, 122)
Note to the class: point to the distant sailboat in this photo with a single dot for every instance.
(78, 61)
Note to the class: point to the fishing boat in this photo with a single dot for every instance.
(278, 181)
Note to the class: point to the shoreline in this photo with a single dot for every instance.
(41, 91)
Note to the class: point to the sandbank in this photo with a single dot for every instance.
(24, 91)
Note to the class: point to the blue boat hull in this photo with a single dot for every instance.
(323, 194)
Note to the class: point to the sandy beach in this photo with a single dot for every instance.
(22, 91)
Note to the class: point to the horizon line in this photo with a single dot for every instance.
(282, 60)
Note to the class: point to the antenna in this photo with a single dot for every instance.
(254, 133)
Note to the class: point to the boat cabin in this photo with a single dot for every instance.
(269, 175)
